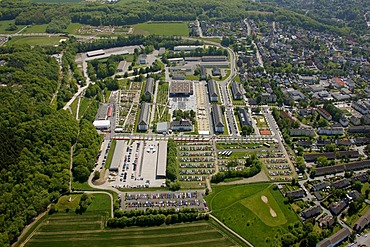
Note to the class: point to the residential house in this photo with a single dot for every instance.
(324, 113)
(335, 239)
(301, 132)
(362, 222)
(235, 88)
(331, 131)
(337, 207)
(295, 194)
(311, 212)
(342, 183)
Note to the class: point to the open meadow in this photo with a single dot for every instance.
(162, 28)
(33, 41)
(255, 211)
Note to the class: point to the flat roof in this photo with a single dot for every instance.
(95, 53)
(181, 87)
(162, 159)
(102, 112)
(101, 124)
(118, 155)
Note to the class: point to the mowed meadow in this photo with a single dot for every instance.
(255, 211)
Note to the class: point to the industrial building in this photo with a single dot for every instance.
(149, 88)
(214, 58)
(117, 156)
(102, 124)
(102, 112)
(218, 122)
(95, 53)
(143, 123)
(161, 160)
(212, 91)
(181, 89)
(235, 88)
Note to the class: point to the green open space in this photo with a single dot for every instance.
(36, 28)
(4, 25)
(84, 105)
(74, 107)
(110, 154)
(69, 202)
(162, 28)
(35, 40)
(241, 208)
(73, 27)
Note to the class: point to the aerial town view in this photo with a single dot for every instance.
(184, 123)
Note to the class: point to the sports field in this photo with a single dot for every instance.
(71, 229)
(162, 28)
(255, 211)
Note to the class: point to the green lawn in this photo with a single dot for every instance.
(74, 107)
(84, 104)
(33, 41)
(241, 208)
(64, 203)
(5, 24)
(57, 1)
(73, 27)
(36, 29)
(162, 28)
(110, 154)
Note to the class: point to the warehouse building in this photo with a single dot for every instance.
(161, 160)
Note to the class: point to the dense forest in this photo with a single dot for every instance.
(58, 16)
(36, 139)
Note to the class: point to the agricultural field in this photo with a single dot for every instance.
(66, 225)
(255, 211)
(162, 28)
(71, 229)
(33, 41)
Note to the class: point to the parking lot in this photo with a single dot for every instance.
(137, 164)
(156, 200)
(197, 162)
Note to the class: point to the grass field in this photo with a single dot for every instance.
(74, 107)
(73, 27)
(110, 154)
(36, 29)
(33, 41)
(162, 28)
(84, 104)
(5, 24)
(242, 209)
